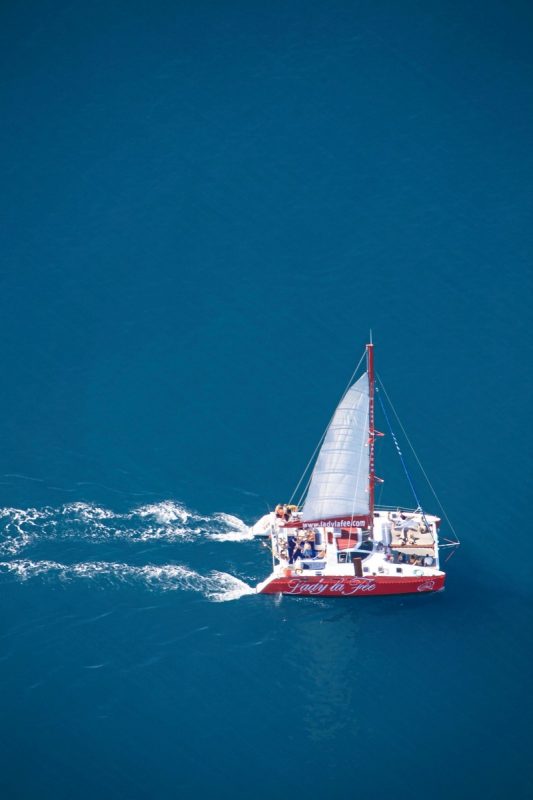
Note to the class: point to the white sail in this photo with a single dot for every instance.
(339, 483)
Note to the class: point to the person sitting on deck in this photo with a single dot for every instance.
(308, 549)
(291, 546)
(284, 512)
(303, 549)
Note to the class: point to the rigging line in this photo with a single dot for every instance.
(324, 435)
(300, 501)
(404, 465)
(452, 553)
(319, 445)
(445, 515)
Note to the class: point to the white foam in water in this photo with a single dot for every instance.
(228, 588)
(88, 512)
(20, 527)
(218, 586)
(165, 512)
(169, 521)
(239, 531)
(27, 569)
(168, 533)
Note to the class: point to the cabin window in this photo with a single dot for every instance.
(399, 569)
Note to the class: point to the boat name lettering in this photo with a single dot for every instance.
(344, 588)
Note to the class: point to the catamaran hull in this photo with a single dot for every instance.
(331, 586)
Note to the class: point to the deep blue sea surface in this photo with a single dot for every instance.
(204, 207)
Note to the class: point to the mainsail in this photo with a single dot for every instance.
(338, 492)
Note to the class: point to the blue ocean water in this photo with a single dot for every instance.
(205, 206)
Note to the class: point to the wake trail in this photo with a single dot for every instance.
(216, 586)
(168, 521)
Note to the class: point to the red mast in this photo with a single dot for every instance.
(371, 429)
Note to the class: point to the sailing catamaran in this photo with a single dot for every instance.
(338, 543)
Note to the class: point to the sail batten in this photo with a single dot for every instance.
(339, 482)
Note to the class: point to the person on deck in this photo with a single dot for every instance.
(291, 546)
(299, 550)
(308, 550)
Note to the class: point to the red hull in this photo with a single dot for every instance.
(330, 586)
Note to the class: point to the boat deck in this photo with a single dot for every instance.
(411, 533)
(400, 538)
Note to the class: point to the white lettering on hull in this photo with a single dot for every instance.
(336, 523)
(342, 587)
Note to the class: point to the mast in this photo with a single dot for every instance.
(371, 430)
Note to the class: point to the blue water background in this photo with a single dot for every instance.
(204, 208)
